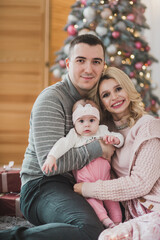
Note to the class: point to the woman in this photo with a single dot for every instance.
(136, 164)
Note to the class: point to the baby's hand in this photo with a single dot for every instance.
(108, 139)
(49, 164)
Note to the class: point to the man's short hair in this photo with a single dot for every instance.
(89, 39)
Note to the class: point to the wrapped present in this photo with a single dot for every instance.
(10, 178)
(10, 205)
(10, 181)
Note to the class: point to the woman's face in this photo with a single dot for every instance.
(114, 98)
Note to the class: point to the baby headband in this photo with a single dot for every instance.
(83, 111)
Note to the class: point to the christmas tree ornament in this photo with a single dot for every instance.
(139, 65)
(131, 17)
(132, 74)
(106, 41)
(84, 2)
(72, 18)
(101, 31)
(62, 63)
(66, 49)
(138, 45)
(57, 73)
(120, 26)
(112, 49)
(71, 30)
(112, 3)
(149, 62)
(89, 13)
(115, 34)
(83, 31)
(117, 61)
(106, 13)
(93, 33)
(147, 48)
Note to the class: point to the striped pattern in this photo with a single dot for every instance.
(50, 120)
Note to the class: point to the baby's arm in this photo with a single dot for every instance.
(49, 163)
(114, 138)
(63, 145)
(109, 139)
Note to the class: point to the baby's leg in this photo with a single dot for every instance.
(101, 212)
(113, 210)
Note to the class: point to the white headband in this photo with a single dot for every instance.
(83, 111)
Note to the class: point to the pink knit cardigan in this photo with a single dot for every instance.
(143, 180)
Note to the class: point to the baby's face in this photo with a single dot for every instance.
(87, 125)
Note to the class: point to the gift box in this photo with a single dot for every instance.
(10, 181)
(10, 204)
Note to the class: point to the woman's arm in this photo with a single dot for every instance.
(144, 175)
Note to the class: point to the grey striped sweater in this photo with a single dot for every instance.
(50, 120)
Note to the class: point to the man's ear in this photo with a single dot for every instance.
(67, 63)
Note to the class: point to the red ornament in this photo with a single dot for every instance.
(62, 63)
(149, 62)
(138, 45)
(115, 34)
(71, 30)
(132, 74)
(138, 65)
(84, 2)
(131, 17)
(147, 48)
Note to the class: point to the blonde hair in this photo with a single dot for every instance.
(136, 107)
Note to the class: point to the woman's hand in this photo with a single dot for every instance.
(78, 188)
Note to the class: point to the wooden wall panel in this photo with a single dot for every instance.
(22, 71)
(59, 13)
(24, 66)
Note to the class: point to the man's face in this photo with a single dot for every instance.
(85, 66)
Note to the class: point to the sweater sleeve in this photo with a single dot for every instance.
(143, 177)
(64, 144)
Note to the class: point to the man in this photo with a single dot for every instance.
(48, 201)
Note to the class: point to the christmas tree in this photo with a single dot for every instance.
(119, 24)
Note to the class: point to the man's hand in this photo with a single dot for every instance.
(49, 164)
(107, 149)
(78, 188)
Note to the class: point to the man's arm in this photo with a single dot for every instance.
(49, 123)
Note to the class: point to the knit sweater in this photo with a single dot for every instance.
(51, 119)
(142, 142)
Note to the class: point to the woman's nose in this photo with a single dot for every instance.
(114, 95)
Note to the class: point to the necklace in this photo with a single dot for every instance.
(122, 126)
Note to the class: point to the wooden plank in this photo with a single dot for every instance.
(22, 68)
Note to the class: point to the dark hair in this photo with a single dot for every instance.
(89, 39)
